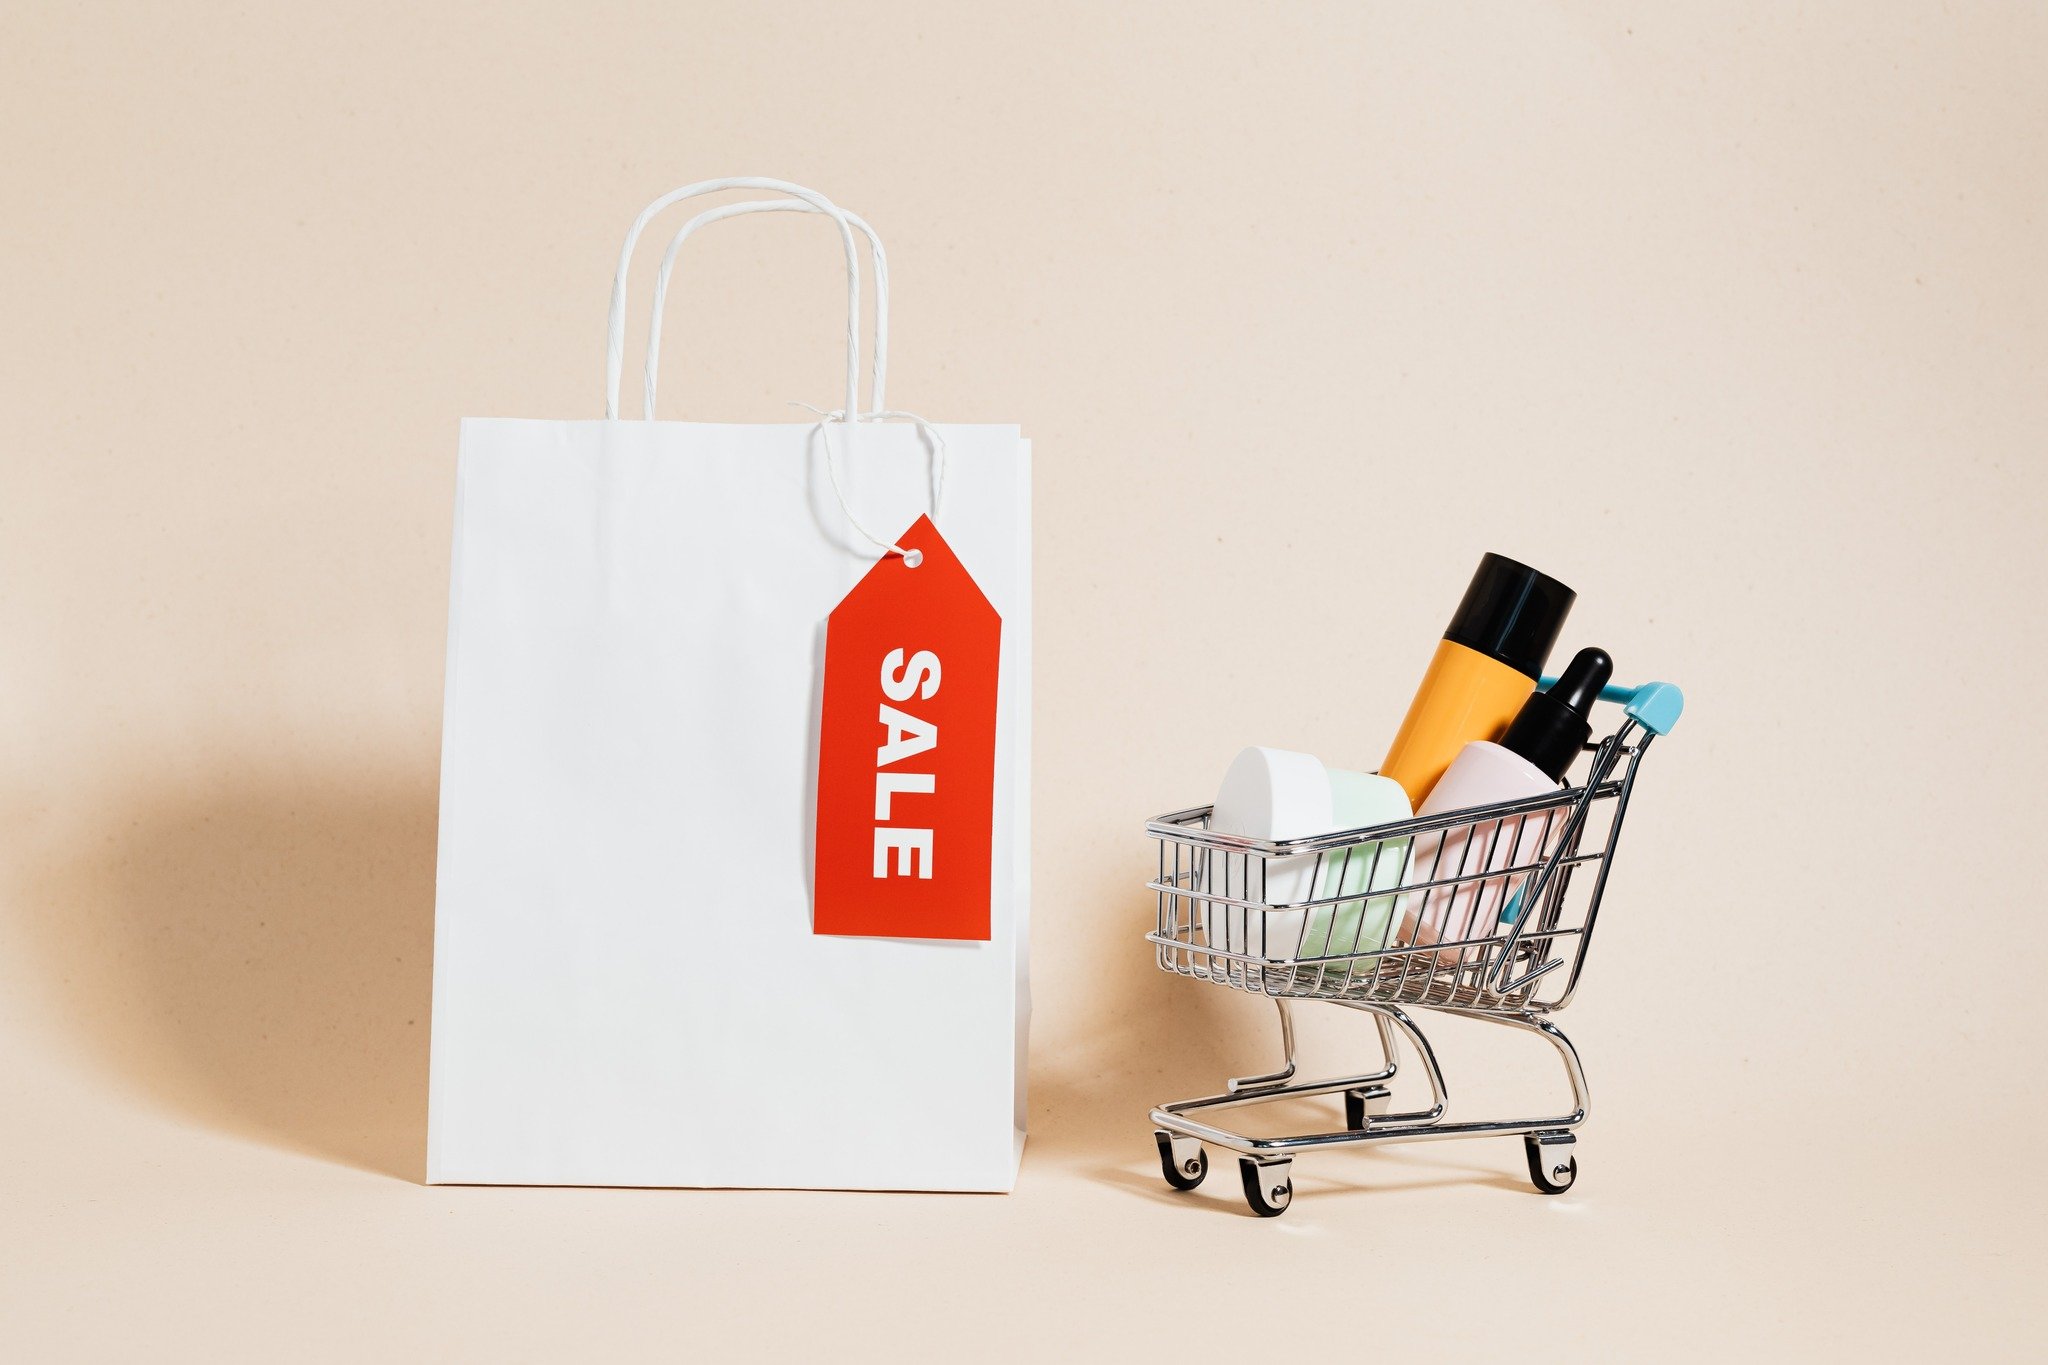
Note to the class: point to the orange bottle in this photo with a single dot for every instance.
(1485, 667)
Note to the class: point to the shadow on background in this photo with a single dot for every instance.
(258, 961)
(1153, 1037)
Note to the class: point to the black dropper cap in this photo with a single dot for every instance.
(1552, 726)
(1511, 613)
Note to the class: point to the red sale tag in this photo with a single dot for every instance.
(907, 751)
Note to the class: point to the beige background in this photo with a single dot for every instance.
(1732, 317)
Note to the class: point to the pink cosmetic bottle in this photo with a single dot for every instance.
(1532, 757)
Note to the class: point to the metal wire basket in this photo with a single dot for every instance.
(1484, 913)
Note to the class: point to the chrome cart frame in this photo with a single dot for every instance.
(1484, 914)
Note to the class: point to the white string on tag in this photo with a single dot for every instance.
(936, 443)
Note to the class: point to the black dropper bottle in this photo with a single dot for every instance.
(1552, 726)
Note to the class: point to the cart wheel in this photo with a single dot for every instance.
(1552, 1167)
(1359, 1104)
(1267, 1188)
(1183, 1172)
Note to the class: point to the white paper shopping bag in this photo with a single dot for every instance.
(627, 986)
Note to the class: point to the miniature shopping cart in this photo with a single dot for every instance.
(1483, 913)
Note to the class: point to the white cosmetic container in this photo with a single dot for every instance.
(1278, 794)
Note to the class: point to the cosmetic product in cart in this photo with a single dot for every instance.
(1484, 668)
(1522, 977)
(1531, 758)
(1276, 794)
(1358, 801)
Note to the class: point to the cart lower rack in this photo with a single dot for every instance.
(1485, 914)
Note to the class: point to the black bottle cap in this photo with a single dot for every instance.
(1551, 726)
(1511, 613)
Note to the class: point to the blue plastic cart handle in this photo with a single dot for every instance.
(1656, 706)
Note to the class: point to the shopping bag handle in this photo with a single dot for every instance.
(615, 334)
(877, 380)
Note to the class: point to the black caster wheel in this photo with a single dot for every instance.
(1360, 1105)
(1552, 1167)
(1184, 1172)
(1268, 1189)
